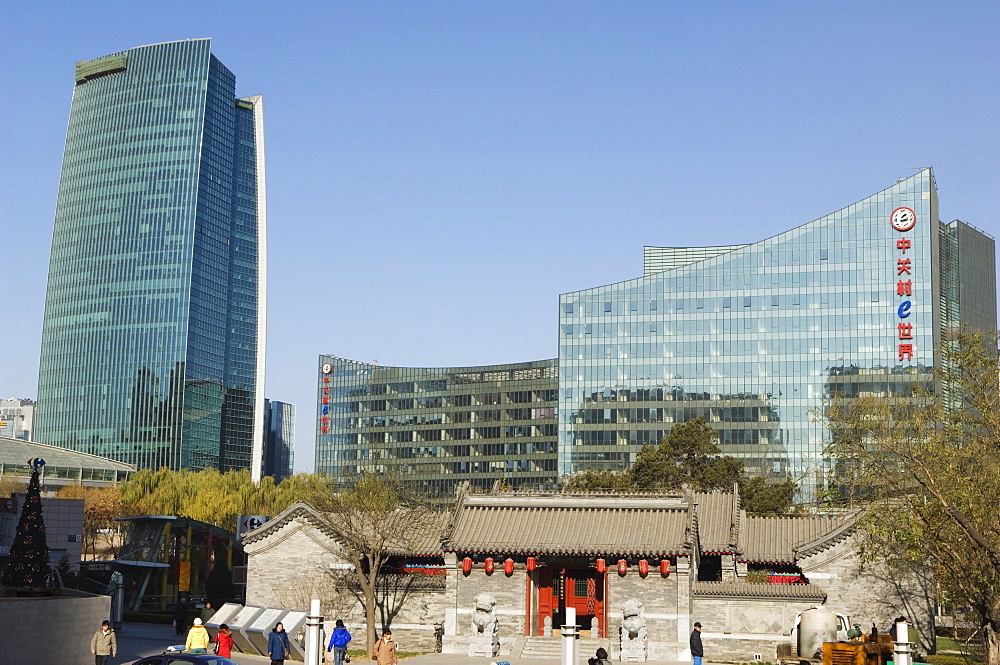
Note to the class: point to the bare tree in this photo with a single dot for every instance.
(376, 521)
(925, 467)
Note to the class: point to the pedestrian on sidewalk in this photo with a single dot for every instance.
(385, 650)
(338, 643)
(197, 639)
(277, 645)
(224, 642)
(180, 616)
(697, 651)
(103, 644)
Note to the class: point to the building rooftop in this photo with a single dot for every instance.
(570, 524)
(62, 466)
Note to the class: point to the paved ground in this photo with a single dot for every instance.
(138, 640)
(459, 659)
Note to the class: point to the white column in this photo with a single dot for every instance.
(314, 647)
(902, 644)
(569, 637)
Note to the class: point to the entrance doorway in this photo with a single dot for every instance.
(580, 588)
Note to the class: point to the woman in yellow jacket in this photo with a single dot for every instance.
(198, 640)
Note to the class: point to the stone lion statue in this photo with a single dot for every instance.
(484, 614)
(633, 620)
(633, 632)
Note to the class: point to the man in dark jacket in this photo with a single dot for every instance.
(697, 651)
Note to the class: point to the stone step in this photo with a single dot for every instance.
(551, 647)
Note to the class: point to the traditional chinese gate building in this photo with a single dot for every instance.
(541, 554)
(686, 558)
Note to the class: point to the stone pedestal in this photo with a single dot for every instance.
(485, 646)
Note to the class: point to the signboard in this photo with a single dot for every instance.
(184, 576)
(250, 522)
(244, 617)
(903, 219)
(266, 619)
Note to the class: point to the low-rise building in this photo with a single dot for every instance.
(17, 418)
(664, 561)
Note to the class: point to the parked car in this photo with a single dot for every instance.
(175, 658)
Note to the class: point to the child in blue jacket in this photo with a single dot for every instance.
(338, 643)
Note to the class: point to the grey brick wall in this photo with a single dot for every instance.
(293, 565)
(510, 592)
(738, 628)
(74, 617)
(868, 592)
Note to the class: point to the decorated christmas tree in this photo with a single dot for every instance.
(28, 563)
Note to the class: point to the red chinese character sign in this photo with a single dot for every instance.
(324, 409)
(903, 219)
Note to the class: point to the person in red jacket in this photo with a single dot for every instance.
(224, 642)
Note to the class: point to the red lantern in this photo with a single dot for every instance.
(508, 566)
(488, 566)
(622, 566)
(532, 563)
(643, 567)
(466, 565)
(665, 567)
(601, 565)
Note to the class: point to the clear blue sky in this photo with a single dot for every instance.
(438, 172)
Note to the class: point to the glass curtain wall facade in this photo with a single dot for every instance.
(153, 336)
(756, 338)
(438, 426)
(279, 439)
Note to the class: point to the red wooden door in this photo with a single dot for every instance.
(546, 599)
(584, 591)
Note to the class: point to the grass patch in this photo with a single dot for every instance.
(361, 656)
(952, 659)
(971, 653)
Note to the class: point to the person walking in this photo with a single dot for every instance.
(207, 613)
(277, 645)
(197, 639)
(103, 644)
(180, 617)
(224, 642)
(697, 650)
(385, 650)
(338, 643)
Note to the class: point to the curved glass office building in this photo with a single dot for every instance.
(435, 427)
(153, 336)
(755, 337)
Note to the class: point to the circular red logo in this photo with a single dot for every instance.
(903, 219)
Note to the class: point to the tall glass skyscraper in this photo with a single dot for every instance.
(756, 337)
(279, 439)
(153, 337)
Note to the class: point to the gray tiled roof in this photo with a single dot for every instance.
(572, 524)
(426, 542)
(787, 539)
(718, 521)
(749, 589)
